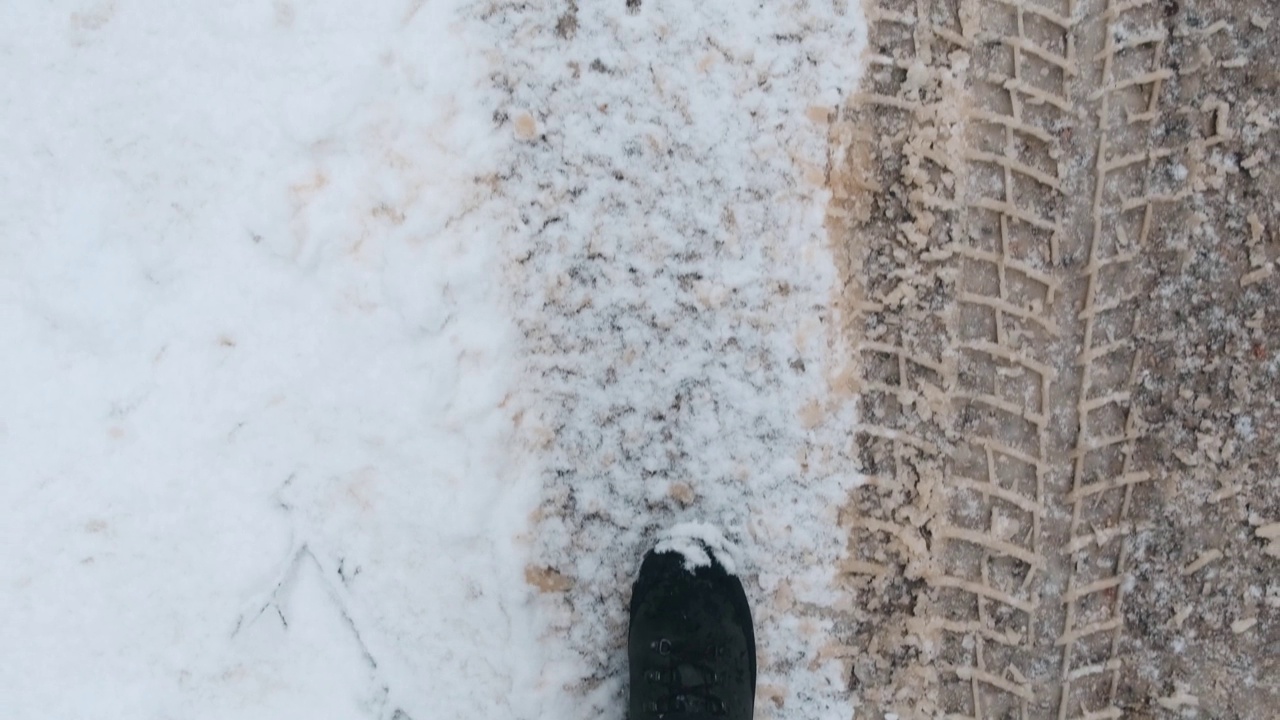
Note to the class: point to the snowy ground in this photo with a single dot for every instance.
(675, 282)
(297, 415)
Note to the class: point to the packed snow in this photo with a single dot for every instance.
(256, 360)
(342, 341)
(676, 283)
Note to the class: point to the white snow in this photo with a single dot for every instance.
(694, 540)
(256, 355)
(324, 322)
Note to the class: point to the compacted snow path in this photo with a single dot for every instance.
(675, 284)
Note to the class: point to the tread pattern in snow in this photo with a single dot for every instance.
(1002, 171)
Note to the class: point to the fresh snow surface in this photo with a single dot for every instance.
(328, 326)
(255, 359)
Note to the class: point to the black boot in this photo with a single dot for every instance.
(691, 645)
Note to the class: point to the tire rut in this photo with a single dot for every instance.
(999, 179)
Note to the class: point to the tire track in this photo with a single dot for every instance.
(1104, 481)
(1001, 171)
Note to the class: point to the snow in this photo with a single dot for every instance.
(697, 542)
(256, 359)
(675, 282)
(310, 314)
